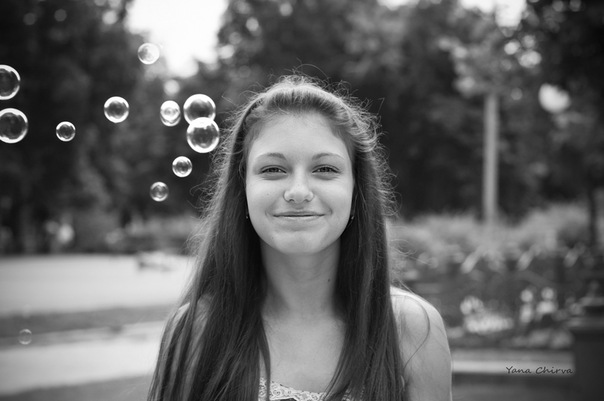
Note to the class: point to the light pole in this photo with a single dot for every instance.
(491, 158)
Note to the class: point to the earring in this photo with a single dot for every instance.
(350, 219)
(247, 215)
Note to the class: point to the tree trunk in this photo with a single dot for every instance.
(592, 223)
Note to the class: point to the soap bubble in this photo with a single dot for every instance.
(182, 166)
(148, 53)
(66, 131)
(116, 109)
(10, 81)
(13, 125)
(203, 135)
(25, 337)
(169, 113)
(198, 106)
(159, 191)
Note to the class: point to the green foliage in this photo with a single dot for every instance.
(567, 34)
(168, 234)
(555, 227)
(501, 287)
(65, 52)
(424, 67)
(445, 238)
(73, 56)
(91, 226)
(407, 61)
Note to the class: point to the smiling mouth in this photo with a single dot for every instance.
(300, 215)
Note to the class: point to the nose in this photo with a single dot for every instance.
(298, 190)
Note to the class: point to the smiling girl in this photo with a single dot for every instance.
(291, 298)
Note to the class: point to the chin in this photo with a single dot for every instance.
(297, 248)
(300, 246)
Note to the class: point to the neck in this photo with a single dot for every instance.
(300, 286)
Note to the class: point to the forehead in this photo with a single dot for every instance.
(298, 134)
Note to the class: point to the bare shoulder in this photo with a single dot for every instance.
(416, 318)
(424, 347)
(412, 309)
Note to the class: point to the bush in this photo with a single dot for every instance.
(512, 272)
(168, 234)
(91, 226)
(440, 238)
(559, 225)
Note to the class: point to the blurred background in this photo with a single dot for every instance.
(492, 122)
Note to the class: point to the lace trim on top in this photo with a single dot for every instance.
(278, 391)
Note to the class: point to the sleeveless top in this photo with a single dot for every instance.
(279, 392)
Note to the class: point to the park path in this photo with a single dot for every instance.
(89, 356)
(86, 356)
(75, 283)
(70, 283)
(80, 283)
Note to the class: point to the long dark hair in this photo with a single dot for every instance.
(211, 348)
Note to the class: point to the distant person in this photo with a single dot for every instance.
(291, 298)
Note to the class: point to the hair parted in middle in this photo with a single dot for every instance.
(221, 356)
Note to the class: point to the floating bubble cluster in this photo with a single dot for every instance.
(198, 106)
(159, 191)
(10, 81)
(182, 166)
(199, 110)
(66, 131)
(148, 53)
(13, 125)
(25, 337)
(203, 135)
(116, 109)
(169, 113)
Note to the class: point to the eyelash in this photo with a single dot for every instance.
(273, 170)
(332, 169)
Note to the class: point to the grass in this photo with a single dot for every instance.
(57, 322)
(127, 389)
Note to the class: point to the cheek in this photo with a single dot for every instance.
(258, 196)
(348, 191)
(338, 199)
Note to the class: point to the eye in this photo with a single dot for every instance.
(272, 170)
(327, 169)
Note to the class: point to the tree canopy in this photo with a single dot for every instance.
(423, 67)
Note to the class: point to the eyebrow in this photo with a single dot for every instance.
(315, 157)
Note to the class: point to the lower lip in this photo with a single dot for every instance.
(299, 218)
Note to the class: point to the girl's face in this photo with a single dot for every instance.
(299, 185)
